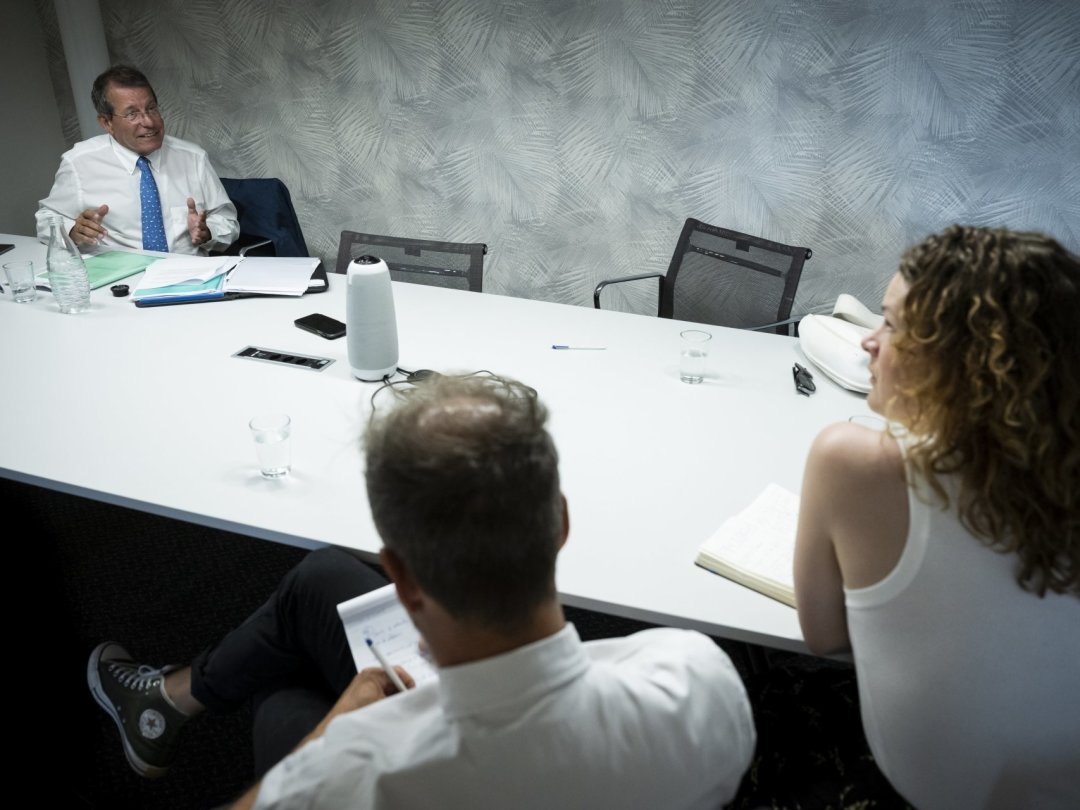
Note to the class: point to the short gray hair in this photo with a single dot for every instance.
(463, 481)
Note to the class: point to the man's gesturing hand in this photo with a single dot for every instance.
(88, 229)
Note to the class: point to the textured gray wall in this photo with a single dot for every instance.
(575, 137)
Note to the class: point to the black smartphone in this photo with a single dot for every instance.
(6, 247)
(321, 325)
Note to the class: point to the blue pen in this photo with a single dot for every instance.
(580, 348)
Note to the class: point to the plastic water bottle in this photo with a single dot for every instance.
(67, 273)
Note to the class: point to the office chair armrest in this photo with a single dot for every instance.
(784, 322)
(596, 293)
(245, 242)
(244, 250)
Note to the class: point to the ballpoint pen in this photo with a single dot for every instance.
(390, 671)
(579, 348)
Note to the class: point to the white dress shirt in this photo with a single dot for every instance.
(659, 719)
(100, 171)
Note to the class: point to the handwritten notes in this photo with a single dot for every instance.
(756, 547)
(378, 615)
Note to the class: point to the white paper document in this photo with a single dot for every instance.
(183, 270)
(272, 275)
(379, 616)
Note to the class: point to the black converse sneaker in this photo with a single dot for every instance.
(133, 696)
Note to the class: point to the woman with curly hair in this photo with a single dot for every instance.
(944, 551)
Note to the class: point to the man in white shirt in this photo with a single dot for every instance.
(99, 187)
(462, 478)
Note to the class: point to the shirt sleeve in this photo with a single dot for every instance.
(65, 199)
(323, 774)
(289, 782)
(220, 211)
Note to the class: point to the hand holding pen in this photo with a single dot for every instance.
(392, 672)
(368, 686)
(371, 685)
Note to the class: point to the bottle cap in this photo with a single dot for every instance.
(119, 290)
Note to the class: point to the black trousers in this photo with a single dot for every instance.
(290, 656)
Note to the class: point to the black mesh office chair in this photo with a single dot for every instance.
(458, 265)
(268, 223)
(727, 278)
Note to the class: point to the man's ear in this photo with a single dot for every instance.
(565, 522)
(106, 124)
(409, 593)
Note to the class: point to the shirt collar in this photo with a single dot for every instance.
(129, 159)
(521, 676)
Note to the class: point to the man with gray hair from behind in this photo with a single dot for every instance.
(462, 477)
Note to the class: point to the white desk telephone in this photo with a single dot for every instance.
(833, 343)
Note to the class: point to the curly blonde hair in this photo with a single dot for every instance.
(990, 352)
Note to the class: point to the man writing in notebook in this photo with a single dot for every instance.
(135, 186)
(463, 481)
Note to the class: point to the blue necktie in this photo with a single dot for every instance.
(153, 227)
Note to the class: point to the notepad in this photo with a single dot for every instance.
(379, 615)
(756, 547)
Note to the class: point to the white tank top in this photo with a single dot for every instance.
(969, 686)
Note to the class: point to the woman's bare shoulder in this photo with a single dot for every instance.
(853, 452)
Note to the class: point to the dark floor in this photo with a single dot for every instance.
(164, 589)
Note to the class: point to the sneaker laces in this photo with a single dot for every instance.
(142, 678)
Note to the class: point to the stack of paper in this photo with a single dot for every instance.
(184, 278)
(274, 275)
(756, 547)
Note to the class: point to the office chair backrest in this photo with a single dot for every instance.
(459, 265)
(265, 211)
(730, 278)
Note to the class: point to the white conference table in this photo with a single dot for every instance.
(147, 408)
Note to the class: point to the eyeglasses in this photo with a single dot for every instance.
(131, 116)
(414, 378)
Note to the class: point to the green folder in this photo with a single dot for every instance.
(105, 268)
(113, 265)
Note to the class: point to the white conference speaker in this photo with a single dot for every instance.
(370, 320)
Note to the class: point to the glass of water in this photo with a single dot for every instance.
(271, 434)
(694, 355)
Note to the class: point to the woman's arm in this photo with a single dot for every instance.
(852, 527)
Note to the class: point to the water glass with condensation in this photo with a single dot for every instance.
(20, 277)
(694, 355)
(271, 434)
